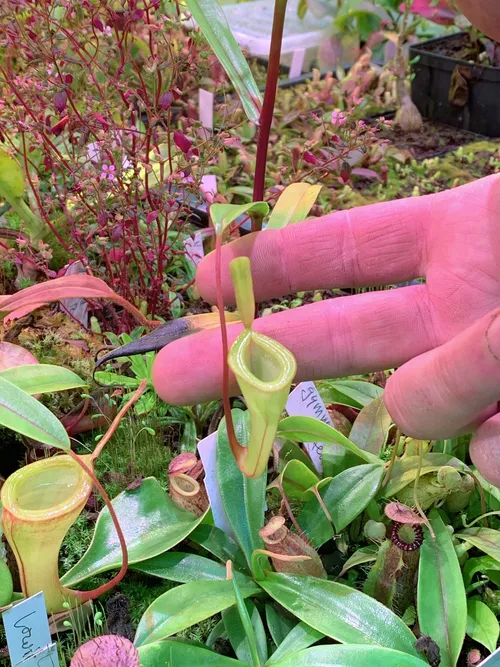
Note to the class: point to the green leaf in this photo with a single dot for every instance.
(223, 215)
(219, 632)
(482, 624)
(308, 429)
(213, 23)
(151, 522)
(218, 543)
(345, 497)
(293, 205)
(279, 626)
(482, 564)
(243, 498)
(486, 539)
(25, 415)
(370, 429)
(354, 393)
(185, 605)
(188, 438)
(289, 451)
(335, 461)
(296, 479)
(181, 567)
(350, 656)
(239, 637)
(11, 177)
(340, 612)
(302, 636)
(360, 557)
(175, 653)
(42, 378)
(441, 600)
(107, 378)
(405, 470)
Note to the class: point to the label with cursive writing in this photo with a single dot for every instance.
(47, 657)
(207, 450)
(305, 401)
(27, 630)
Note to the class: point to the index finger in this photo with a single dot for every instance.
(367, 246)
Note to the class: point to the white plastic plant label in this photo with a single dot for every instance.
(28, 635)
(206, 108)
(297, 63)
(207, 450)
(305, 401)
(47, 657)
(252, 27)
(193, 248)
(492, 660)
(209, 184)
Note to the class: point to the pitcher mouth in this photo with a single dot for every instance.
(46, 489)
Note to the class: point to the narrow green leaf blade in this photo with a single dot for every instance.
(296, 479)
(441, 600)
(240, 638)
(151, 522)
(181, 567)
(217, 542)
(185, 605)
(405, 469)
(243, 498)
(107, 378)
(345, 497)
(223, 215)
(176, 653)
(308, 429)
(293, 205)
(42, 378)
(350, 656)
(482, 564)
(370, 429)
(300, 637)
(213, 23)
(486, 539)
(482, 624)
(279, 626)
(354, 393)
(25, 415)
(340, 612)
(360, 557)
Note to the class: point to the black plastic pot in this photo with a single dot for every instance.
(454, 91)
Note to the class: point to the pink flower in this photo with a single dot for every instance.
(108, 172)
(108, 31)
(338, 118)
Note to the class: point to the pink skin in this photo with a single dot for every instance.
(444, 336)
(484, 14)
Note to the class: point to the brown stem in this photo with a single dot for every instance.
(236, 448)
(266, 116)
(92, 595)
(116, 421)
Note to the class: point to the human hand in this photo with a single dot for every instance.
(444, 335)
(484, 14)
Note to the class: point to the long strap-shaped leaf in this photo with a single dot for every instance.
(441, 599)
(79, 285)
(213, 23)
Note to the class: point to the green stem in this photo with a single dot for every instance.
(266, 116)
(33, 223)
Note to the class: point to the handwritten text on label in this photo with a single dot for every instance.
(305, 401)
(27, 629)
